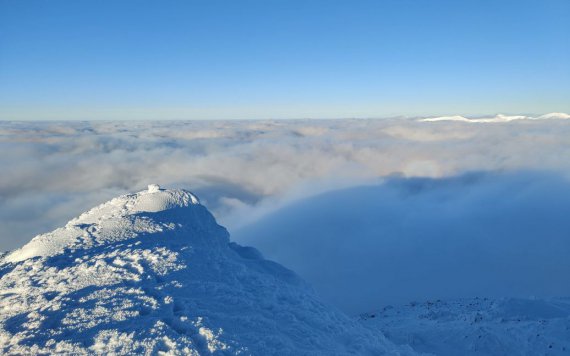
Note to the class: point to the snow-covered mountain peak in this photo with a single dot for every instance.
(151, 273)
(124, 217)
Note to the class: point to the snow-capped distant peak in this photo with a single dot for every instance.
(497, 118)
(555, 115)
(446, 118)
(152, 272)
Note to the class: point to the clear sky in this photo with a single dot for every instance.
(208, 59)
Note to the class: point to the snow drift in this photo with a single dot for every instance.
(153, 272)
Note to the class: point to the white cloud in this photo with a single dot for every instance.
(474, 235)
(52, 171)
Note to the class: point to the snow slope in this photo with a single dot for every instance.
(478, 326)
(153, 272)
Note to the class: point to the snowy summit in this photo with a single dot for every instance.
(153, 272)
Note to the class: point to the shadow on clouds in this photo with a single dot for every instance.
(478, 234)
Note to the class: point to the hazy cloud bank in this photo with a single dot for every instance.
(52, 171)
(475, 235)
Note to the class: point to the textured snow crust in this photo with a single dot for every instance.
(479, 326)
(153, 273)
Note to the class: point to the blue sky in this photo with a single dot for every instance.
(282, 59)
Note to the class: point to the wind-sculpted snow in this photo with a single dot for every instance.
(153, 272)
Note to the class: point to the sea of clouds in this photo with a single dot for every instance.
(251, 174)
(481, 234)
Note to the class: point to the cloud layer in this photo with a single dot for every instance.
(52, 171)
(474, 235)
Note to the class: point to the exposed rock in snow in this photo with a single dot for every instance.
(479, 326)
(153, 272)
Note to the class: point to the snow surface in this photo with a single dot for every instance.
(152, 273)
(478, 326)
